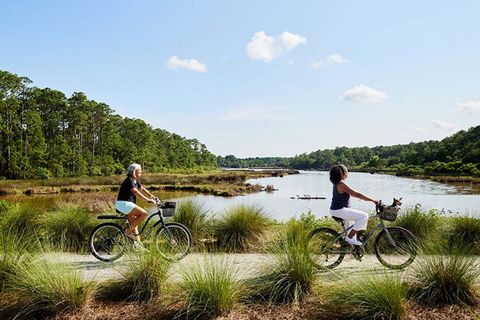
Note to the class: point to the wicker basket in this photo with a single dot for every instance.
(168, 209)
(389, 213)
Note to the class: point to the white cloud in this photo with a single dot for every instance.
(190, 64)
(253, 113)
(335, 58)
(470, 107)
(443, 125)
(266, 48)
(362, 93)
(419, 129)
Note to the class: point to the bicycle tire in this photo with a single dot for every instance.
(177, 246)
(400, 255)
(318, 251)
(106, 237)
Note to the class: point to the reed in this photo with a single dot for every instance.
(193, 215)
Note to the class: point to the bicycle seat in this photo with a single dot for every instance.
(117, 211)
(339, 220)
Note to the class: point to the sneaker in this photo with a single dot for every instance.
(353, 241)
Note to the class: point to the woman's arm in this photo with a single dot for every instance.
(343, 187)
(147, 192)
(140, 195)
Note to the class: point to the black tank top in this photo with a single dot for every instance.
(339, 200)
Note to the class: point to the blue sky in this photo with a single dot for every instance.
(260, 78)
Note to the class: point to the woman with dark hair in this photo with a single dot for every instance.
(340, 207)
(127, 196)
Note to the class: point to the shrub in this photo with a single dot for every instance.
(439, 280)
(211, 287)
(369, 297)
(45, 288)
(69, 228)
(290, 276)
(465, 232)
(240, 227)
(193, 215)
(421, 223)
(142, 279)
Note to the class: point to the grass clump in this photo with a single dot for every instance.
(445, 280)
(290, 276)
(369, 297)
(240, 227)
(141, 280)
(210, 287)
(21, 219)
(193, 215)
(464, 232)
(68, 228)
(421, 223)
(45, 288)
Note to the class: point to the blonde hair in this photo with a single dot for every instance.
(131, 169)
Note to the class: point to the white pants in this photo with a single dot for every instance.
(358, 218)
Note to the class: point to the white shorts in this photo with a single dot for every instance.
(357, 218)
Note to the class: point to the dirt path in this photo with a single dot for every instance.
(247, 265)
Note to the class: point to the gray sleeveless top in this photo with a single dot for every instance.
(339, 200)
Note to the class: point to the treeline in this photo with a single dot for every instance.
(45, 134)
(457, 154)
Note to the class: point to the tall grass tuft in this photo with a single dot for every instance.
(22, 219)
(211, 287)
(45, 288)
(68, 228)
(142, 279)
(421, 223)
(369, 297)
(193, 215)
(465, 232)
(443, 280)
(289, 277)
(240, 227)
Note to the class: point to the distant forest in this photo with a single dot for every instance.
(457, 154)
(45, 134)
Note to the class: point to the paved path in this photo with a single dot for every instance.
(247, 265)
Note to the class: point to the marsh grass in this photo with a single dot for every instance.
(438, 279)
(210, 287)
(423, 224)
(22, 219)
(142, 279)
(464, 232)
(289, 277)
(45, 288)
(368, 297)
(193, 215)
(68, 228)
(240, 227)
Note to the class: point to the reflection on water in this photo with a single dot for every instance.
(279, 205)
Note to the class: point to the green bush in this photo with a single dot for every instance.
(68, 228)
(369, 297)
(193, 215)
(46, 288)
(240, 227)
(142, 279)
(289, 277)
(422, 224)
(21, 219)
(464, 232)
(439, 280)
(211, 287)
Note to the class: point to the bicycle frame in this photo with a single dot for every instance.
(150, 229)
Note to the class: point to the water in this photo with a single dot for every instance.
(452, 198)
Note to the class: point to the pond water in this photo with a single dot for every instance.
(462, 199)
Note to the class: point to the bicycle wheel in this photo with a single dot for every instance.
(326, 248)
(395, 249)
(173, 241)
(107, 242)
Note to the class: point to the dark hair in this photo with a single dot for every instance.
(337, 172)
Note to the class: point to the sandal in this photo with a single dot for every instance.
(131, 235)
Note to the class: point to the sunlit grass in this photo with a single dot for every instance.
(193, 215)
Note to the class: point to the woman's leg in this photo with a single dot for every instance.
(360, 219)
(135, 217)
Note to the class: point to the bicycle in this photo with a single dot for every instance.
(108, 242)
(395, 247)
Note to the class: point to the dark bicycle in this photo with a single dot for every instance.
(173, 240)
(395, 247)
